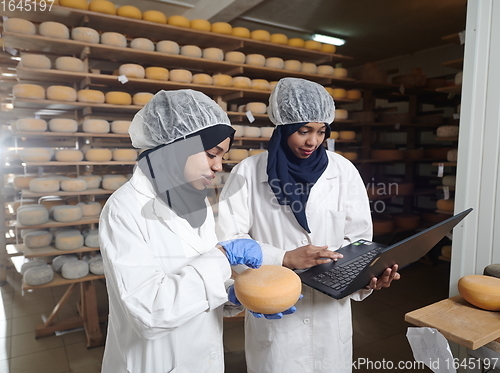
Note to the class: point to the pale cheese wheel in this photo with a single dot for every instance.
(239, 130)
(261, 35)
(181, 76)
(191, 51)
(325, 70)
(32, 264)
(44, 185)
(120, 126)
(452, 155)
(257, 107)
(353, 94)
(91, 95)
(63, 125)
(249, 131)
(341, 114)
(114, 39)
(98, 155)
(200, 24)
(118, 98)
(334, 135)
(179, 21)
(340, 72)
(347, 135)
(142, 98)
(92, 240)
(66, 213)
(35, 61)
(275, 63)
(214, 54)
(339, 93)
(168, 46)
(39, 275)
(20, 26)
(73, 185)
(142, 44)
(55, 30)
(93, 181)
(328, 48)
(296, 42)
(157, 73)
(154, 16)
(235, 56)
(90, 208)
(269, 289)
(449, 180)
(75, 269)
(447, 131)
(223, 80)
(124, 155)
(36, 154)
(95, 126)
(202, 79)
(68, 241)
(61, 93)
(132, 70)
(481, 291)
(309, 68)
(31, 125)
(113, 182)
(222, 28)
(292, 65)
(22, 181)
(37, 239)
(96, 267)
(445, 204)
(255, 59)
(31, 91)
(260, 84)
(129, 11)
(60, 260)
(266, 132)
(102, 6)
(241, 32)
(32, 215)
(242, 82)
(313, 45)
(237, 154)
(69, 64)
(86, 35)
(69, 155)
(279, 39)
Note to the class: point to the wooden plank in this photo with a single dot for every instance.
(82, 163)
(456, 89)
(89, 192)
(445, 212)
(459, 322)
(441, 187)
(50, 251)
(54, 224)
(90, 315)
(454, 64)
(454, 138)
(67, 134)
(59, 280)
(23, 103)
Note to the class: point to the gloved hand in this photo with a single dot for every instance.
(243, 251)
(232, 296)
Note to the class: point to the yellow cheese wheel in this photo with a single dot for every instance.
(200, 24)
(32, 215)
(18, 25)
(114, 39)
(242, 82)
(22, 181)
(118, 98)
(120, 126)
(90, 208)
(66, 213)
(31, 125)
(328, 48)
(223, 80)
(257, 107)
(309, 68)
(341, 114)
(445, 204)
(91, 95)
(255, 60)
(95, 126)
(191, 51)
(260, 84)
(181, 76)
(31, 91)
(132, 70)
(296, 42)
(113, 182)
(142, 98)
(340, 72)
(35, 61)
(255, 151)
(222, 28)
(55, 30)
(168, 46)
(202, 79)
(98, 155)
(312, 44)
(279, 39)
(102, 6)
(73, 185)
(69, 64)
(292, 65)
(334, 135)
(156, 73)
(142, 44)
(44, 185)
(234, 56)
(63, 125)
(179, 21)
(339, 93)
(68, 241)
(129, 11)
(275, 63)
(237, 154)
(269, 289)
(481, 291)
(347, 135)
(61, 93)
(266, 132)
(77, 4)
(86, 35)
(124, 155)
(36, 154)
(241, 32)
(272, 84)
(261, 35)
(215, 54)
(154, 16)
(69, 155)
(353, 94)
(249, 131)
(325, 70)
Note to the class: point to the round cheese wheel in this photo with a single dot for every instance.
(96, 267)
(142, 44)
(255, 60)
(347, 135)
(241, 32)
(452, 155)
(329, 90)
(179, 21)
(334, 135)
(222, 28)
(86, 35)
(154, 16)
(275, 63)
(325, 70)
(114, 39)
(142, 98)
(191, 51)
(296, 42)
(261, 35)
(63, 125)
(260, 84)
(22, 181)
(353, 94)
(242, 82)
(120, 126)
(75, 269)
(44, 185)
(77, 4)
(129, 11)
(20, 26)
(60, 260)
(73, 185)
(449, 180)
(237, 154)
(36, 154)
(481, 291)
(341, 114)
(125, 155)
(215, 54)
(279, 39)
(92, 240)
(181, 75)
(168, 46)
(39, 275)
(66, 213)
(98, 155)
(445, 204)
(200, 24)
(309, 68)
(32, 264)
(157, 73)
(69, 155)
(272, 85)
(352, 156)
(113, 182)
(458, 78)
(239, 130)
(102, 6)
(118, 98)
(31, 91)
(69, 64)
(292, 65)
(55, 30)
(69, 241)
(447, 131)
(93, 181)
(249, 131)
(257, 107)
(269, 289)
(328, 48)
(37, 239)
(266, 132)
(31, 125)
(35, 61)
(90, 208)
(95, 126)
(340, 72)
(132, 70)
(91, 95)
(223, 80)
(61, 93)
(312, 44)
(236, 57)
(202, 79)
(32, 215)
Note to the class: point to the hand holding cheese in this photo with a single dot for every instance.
(243, 251)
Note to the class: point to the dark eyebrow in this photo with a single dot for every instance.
(312, 127)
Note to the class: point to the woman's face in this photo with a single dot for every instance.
(201, 167)
(307, 139)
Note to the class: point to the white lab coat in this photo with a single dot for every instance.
(166, 284)
(318, 336)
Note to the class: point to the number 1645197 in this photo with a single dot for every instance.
(26, 5)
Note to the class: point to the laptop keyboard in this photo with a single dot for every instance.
(341, 276)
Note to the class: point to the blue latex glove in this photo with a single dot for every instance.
(243, 251)
(232, 296)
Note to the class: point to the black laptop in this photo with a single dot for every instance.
(365, 259)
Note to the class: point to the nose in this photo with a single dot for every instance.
(217, 165)
(312, 140)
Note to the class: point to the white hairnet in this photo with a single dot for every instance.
(171, 115)
(295, 100)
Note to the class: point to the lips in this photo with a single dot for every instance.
(306, 152)
(207, 180)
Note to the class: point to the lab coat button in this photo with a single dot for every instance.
(213, 355)
(306, 321)
(304, 242)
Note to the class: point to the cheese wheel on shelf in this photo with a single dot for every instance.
(329, 90)
(325, 70)
(75, 269)
(114, 39)
(452, 155)
(32, 91)
(445, 204)
(242, 82)
(334, 135)
(102, 6)
(292, 65)
(447, 131)
(98, 155)
(449, 180)
(96, 267)
(237, 154)
(309, 68)
(235, 56)
(35, 61)
(63, 125)
(154, 16)
(255, 59)
(60, 260)
(214, 54)
(328, 48)
(61, 93)
(181, 76)
(200, 24)
(222, 28)
(31, 125)
(168, 46)
(69, 155)
(157, 73)
(20, 26)
(279, 39)
(90, 208)
(353, 94)
(142, 44)
(113, 182)
(68, 241)
(249, 131)
(92, 240)
(179, 21)
(95, 126)
(261, 35)
(32, 215)
(340, 72)
(260, 84)
(132, 70)
(341, 114)
(339, 93)
(86, 35)
(481, 291)
(257, 107)
(275, 63)
(32, 264)
(296, 42)
(22, 181)
(37, 239)
(44, 185)
(36, 154)
(266, 132)
(202, 79)
(93, 181)
(39, 275)
(70, 64)
(347, 135)
(91, 95)
(129, 11)
(352, 156)
(73, 185)
(191, 51)
(118, 98)
(223, 80)
(66, 214)
(77, 4)
(55, 30)
(313, 45)
(241, 32)
(239, 130)
(125, 155)
(272, 85)
(142, 98)
(120, 126)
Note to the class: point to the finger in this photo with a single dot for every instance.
(329, 254)
(274, 316)
(256, 314)
(289, 311)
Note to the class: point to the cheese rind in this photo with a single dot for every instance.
(132, 70)
(77, 4)
(129, 11)
(91, 95)
(313, 45)
(191, 51)
(73, 185)
(44, 185)
(55, 30)
(120, 126)
(22, 181)
(309, 68)
(179, 21)
(32, 264)
(262, 35)
(235, 56)
(114, 39)
(37, 239)
(60, 260)
(154, 16)
(113, 182)
(341, 114)
(32, 91)
(481, 291)
(257, 107)
(340, 72)
(102, 6)
(32, 215)
(31, 125)
(97, 267)
(214, 54)
(202, 79)
(125, 155)
(92, 240)
(168, 46)
(181, 75)
(141, 98)
(67, 213)
(222, 28)
(242, 82)
(142, 44)
(19, 25)
(35, 61)
(279, 39)
(325, 70)
(86, 35)
(328, 48)
(98, 155)
(353, 94)
(90, 208)
(241, 32)
(255, 59)
(69, 155)
(61, 93)
(157, 73)
(275, 63)
(69, 64)
(292, 65)
(200, 24)
(260, 84)
(95, 126)
(118, 98)
(63, 125)
(36, 154)
(93, 181)
(39, 275)
(296, 42)
(75, 269)
(223, 80)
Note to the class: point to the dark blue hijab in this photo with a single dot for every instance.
(291, 178)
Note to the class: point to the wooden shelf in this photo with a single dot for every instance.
(89, 192)
(59, 281)
(49, 251)
(60, 105)
(68, 134)
(56, 224)
(82, 163)
(455, 64)
(451, 164)
(394, 124)
(455, 89)
(441, 187)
